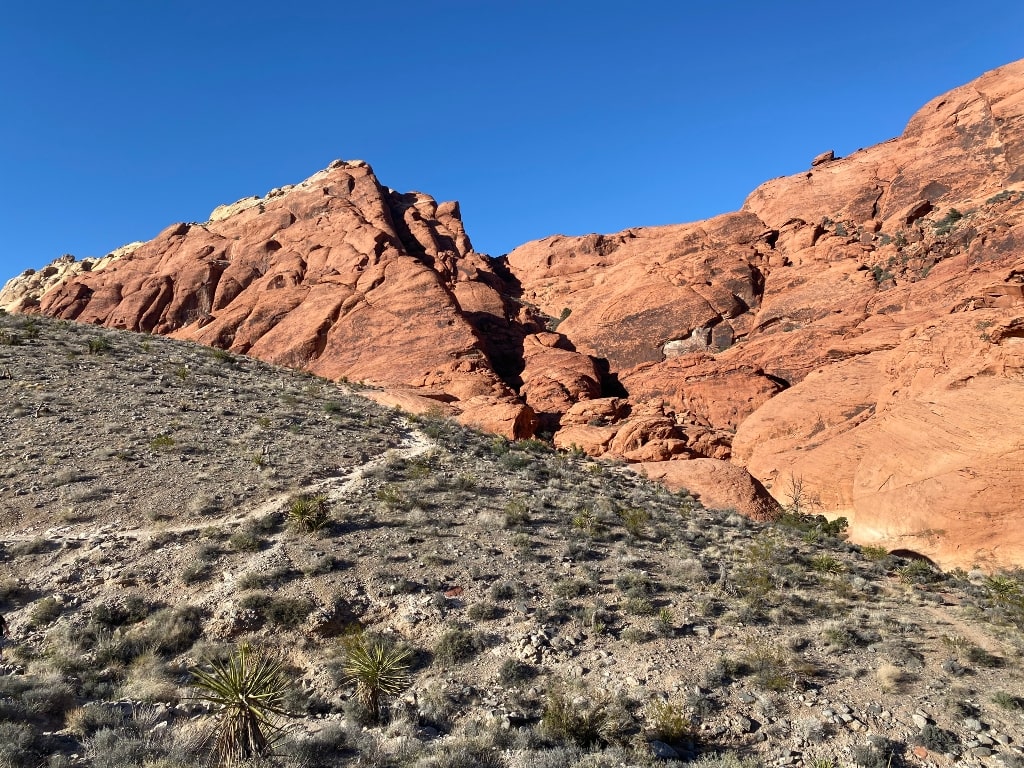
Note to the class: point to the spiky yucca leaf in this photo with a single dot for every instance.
(248, 691)
(308, 513)
(380, 671)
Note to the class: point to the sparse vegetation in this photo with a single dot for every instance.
(512, 576)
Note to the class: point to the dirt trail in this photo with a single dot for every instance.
(414, 443)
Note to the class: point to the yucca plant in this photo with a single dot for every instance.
(379, 670)
(308, 513)
(248, 692)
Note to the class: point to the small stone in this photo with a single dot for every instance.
(973, 724)
(919, 720)
(824, 157)
(663, 751)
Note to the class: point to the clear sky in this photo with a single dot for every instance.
(541, 116)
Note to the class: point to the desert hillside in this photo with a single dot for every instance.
(167, 504)
(855, 330)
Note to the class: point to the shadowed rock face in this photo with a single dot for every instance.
(858, 326)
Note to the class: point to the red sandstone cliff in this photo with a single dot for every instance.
(859, 326)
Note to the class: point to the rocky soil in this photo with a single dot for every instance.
(147, 488)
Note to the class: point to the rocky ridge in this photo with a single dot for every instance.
(854, 330)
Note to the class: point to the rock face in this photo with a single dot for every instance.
(337, 275)
(858, 327)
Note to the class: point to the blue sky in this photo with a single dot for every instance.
(119, 118)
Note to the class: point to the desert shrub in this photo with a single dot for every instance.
(20, 744)
(283, 611)
(194, 573)
(484, 611)
(874, 554)
(50, 697)
(944, 225)
(150, 679)
(917, 572)
(827, 564)
(515, 672)
(246, 540)
(636, 635)
(171, 630)
(938, 739)
(392, 497)
(638, 606)
(506, 590)
(517, 514)
(321, 565)
(668, 721)
(36, 546)
(879, 752)
(634, 584)
(98, 345)
(44, 612)
(131, 610)
(261, 579)
(1008, 701)
(464, 752)
(86, 720)
(769, 666)
(566, 588)
(317, 750)
(161, 443)
(457, 645)
(580, 719)
(634, 521)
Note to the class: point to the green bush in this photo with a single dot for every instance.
(668, 721)
(580, 719)
(98, 345)
(246, 540)
(634, 521)
(457, 645)
(514, 672)
(483, 611)
(44, 612)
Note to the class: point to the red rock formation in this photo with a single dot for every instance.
(337, 275)
(858, 326)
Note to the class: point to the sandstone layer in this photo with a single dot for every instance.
(858, 327)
